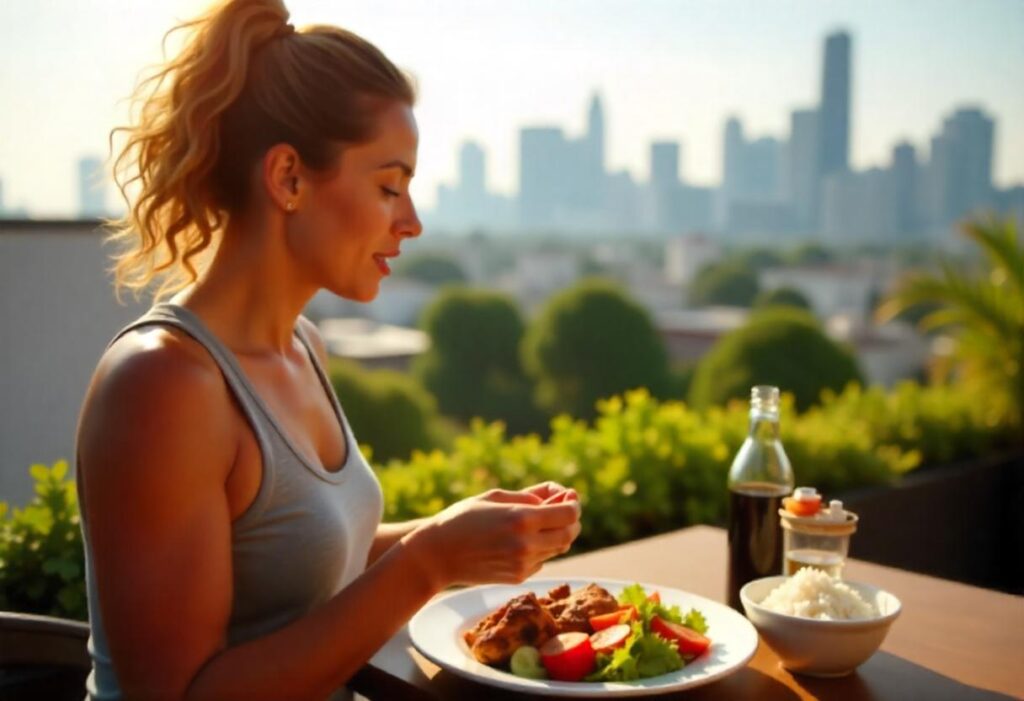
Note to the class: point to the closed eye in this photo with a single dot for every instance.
(389, 192)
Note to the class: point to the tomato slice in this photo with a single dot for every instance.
(655, 597)
(690, 642)
(606, 620)
(610, 638)
(568, 657)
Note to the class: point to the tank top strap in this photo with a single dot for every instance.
(176, 316)
(322, 373)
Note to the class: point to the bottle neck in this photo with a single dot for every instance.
(764, 426)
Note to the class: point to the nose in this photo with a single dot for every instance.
(410, 226)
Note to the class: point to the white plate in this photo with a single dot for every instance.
(436, 631)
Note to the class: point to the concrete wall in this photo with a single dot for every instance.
(57, 314)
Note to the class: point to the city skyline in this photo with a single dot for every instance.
(796, 184)
(762, 69)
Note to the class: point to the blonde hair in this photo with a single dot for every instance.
(243, 81)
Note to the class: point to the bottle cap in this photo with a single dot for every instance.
(805, 494)
(835, 511)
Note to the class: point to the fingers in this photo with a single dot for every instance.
(563, 496)
(546, 490)
(554, 541)
(505, 496)
(548, 516)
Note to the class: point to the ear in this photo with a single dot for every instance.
(281, 177)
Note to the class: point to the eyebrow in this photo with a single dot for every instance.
(398, 164)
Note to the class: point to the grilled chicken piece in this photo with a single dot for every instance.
(556, 600)
(575, 610)
(522, 621)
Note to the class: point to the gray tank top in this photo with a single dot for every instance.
(306, 535)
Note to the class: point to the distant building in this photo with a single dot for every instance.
(664, 164)
(859, 207)
(887, 354)
(593, 173)
(834, 125)
(831, 288)
(685, 256)
(562, 183)
(906, 187)
(622, 203)
(689, 334)
(539, 274)
(754, 181)
(802, 188)
(91, 188)
(665, 185)
(469, 206)
(372, 344)
(959, 172)
(1010, 203)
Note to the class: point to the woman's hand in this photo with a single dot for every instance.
(498, 536)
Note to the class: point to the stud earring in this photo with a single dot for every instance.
(290, 206)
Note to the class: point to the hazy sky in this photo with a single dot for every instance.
(667, 69)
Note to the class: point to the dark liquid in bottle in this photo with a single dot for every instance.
(755, 539)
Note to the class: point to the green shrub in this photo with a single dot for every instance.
(389, 411)
(593, 341)
(728, 284)
(778, 346)
(473, 366)
(782, 297)
(42, 564)
(646, 466)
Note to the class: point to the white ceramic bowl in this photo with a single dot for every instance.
(815, 647)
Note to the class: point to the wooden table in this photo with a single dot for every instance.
(951, 641)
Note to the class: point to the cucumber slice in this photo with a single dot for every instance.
(526, 663)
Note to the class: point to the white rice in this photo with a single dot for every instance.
(811, 593)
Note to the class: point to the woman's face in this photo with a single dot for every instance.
(349, 226)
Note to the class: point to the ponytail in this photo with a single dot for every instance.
(244, 81)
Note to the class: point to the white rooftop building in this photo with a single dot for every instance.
(372, 344)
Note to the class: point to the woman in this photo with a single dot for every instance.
(233, 537)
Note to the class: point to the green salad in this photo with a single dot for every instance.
(652, 649)
(642, 638)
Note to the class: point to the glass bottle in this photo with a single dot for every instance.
(760, 476)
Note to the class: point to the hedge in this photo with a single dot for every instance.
(644, 466)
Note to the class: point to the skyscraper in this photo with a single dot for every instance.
(91, 188)
(592, 175)
(802, 186)
(834, 126)
(471, 170)
(665, 186)
(905, 188)
(595, 133)
(959, 173)
(544, 163)
(664, 164)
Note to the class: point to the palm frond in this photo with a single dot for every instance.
(998, 240)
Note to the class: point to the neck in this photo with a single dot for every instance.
(250, 295)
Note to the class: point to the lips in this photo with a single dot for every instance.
(382, 262)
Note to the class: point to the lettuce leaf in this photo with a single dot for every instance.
(695, 621)
(644, 655)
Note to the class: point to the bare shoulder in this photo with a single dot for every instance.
(315, 338)
(155, 390)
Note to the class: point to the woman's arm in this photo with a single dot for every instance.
(390, 533)
(157, 441)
